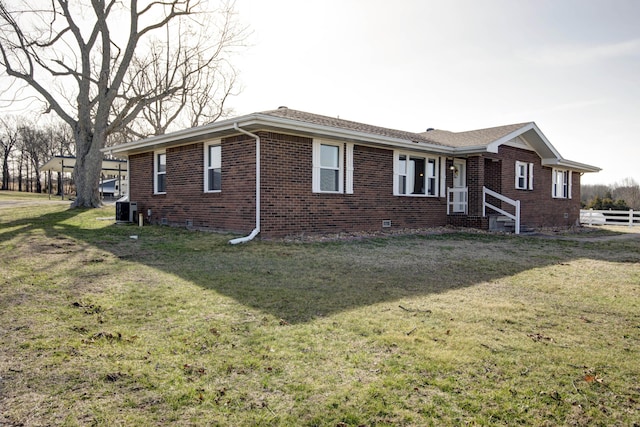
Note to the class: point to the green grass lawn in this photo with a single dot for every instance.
(179, 327)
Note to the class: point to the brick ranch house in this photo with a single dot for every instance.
(286, 172)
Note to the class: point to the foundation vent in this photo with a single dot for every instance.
(386, 223)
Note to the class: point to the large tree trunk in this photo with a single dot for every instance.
(5, 173)
(38, 181)
(86, 173)
(103, 57)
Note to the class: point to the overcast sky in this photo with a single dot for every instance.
(572, 66)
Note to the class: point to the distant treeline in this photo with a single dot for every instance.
(620, 196)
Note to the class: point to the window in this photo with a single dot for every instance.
(561, 184)
(327, 167)
(431, 177)
(213, 168)
(160, 173)
(524, 176)
(415, 175)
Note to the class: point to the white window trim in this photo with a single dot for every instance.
(349, 168)
(554, 181)
(427, 178)
(317, 143)
(206, 164)
(156, 173)
(437, 173)
(443, 175)
(528, 176)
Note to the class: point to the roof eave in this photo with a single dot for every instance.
(477, 149)
(264, 122)
(570, 164)
(173, 138)
(345, 134)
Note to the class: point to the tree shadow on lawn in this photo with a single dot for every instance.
(301, 282)
(51, 224)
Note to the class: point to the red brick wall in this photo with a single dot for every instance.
(475, 182)
(233, 209)
(538, 208)
(289, 206)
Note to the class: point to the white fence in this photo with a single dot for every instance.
(593, 217)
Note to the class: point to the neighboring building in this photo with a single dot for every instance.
(318, 174)
(112, 180)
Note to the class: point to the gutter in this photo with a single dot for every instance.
(256, 230)
(569, 164)
(265, 121)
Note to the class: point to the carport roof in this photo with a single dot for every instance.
(67, 163)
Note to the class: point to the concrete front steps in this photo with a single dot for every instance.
(507, 225)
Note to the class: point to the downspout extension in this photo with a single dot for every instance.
(256, 230)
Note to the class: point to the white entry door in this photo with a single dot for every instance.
(460, 181)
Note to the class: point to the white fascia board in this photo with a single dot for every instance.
(255, 121)
(170, 138)
(569, 164)
(351, 135)
(478, 149)
(493, 147)
(546, 141)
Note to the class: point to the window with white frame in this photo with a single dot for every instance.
(213, 168)
(328, 171)
(415, 175)
(160, 172)
(524, 176)
(561, 184)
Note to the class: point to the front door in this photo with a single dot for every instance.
(460, 182)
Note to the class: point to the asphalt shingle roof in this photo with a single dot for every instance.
(317, 119)
(480, 137)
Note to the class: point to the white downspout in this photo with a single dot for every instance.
(256, 230)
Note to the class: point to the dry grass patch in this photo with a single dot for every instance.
(179, 327)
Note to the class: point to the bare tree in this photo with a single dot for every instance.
(625, 192)
(629, 191)
(205, 78)
(88, 61)
(36, 145)
(8, 141)
(589, 192)
(62, 145)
